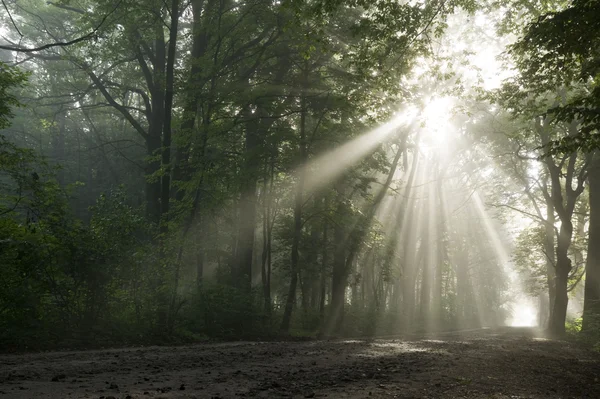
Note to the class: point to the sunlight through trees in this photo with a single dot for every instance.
(247, 169)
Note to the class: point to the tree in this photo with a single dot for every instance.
(253, 132)
(565, 37)
(10, 78)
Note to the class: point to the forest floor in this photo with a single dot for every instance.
(500, 364)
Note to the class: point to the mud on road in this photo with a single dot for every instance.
(499, 364)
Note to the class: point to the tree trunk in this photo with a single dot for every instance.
(152, 189)
(461, 264)
(591, 306)
(557, 323)
(58, 144)
(200, 254)
(313, 261)
(257, 125)
(410, 267)
(324, 263)
(563, 268)
(267, 239)
(339, 274)
(156, 124)
(194, 88)
(425, 257)
(564, 209)
(242, 276)
(165, 195)
(550, 259)
(298, 203)
(441, 251)
(404, 288)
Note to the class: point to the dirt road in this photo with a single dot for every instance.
(499, 364)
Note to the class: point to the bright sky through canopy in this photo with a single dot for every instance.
(436, 120)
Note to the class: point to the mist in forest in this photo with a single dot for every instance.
(182, 171)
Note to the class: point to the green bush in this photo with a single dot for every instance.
(223, 312)
(65, 282)
(573, 326)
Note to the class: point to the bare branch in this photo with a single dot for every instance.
(136, 125)
(62, 44)
(528, 214)
(11, 18)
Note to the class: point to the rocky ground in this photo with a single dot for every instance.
(499, 364)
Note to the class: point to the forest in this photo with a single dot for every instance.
(177, 172)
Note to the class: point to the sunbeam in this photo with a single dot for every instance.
(327, 167)
(436, 120)
(376, 189)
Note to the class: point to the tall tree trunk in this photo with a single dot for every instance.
(324, 263)
(462, 284)
(564, 205)
(200, 39)
(257, 126)
(441, 250)
(267, 237)
(403, 291)
(550, 258)
(156, 125)
(563, 268)
(410, 266)
(426, 254)
(200, 253)
(242, 277)
(152, 189)
(339, 274)
(591, 305)
(58, 144)
(313, 261)
(298, 203)
(165, 195)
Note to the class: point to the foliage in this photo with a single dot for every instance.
(589, 337)
(63, 281)
(566, 42)
(10, 79)
(530, 258)
(146, 197)
(216, 310)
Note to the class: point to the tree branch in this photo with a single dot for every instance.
(62, 44)
(136, 125)
(11, 18)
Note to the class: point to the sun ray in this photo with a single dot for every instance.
(327, 167)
